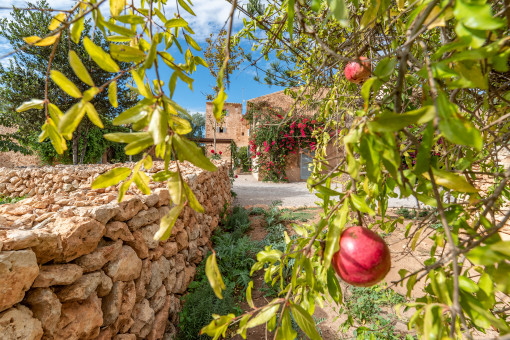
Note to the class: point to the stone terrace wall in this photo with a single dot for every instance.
(82, 266)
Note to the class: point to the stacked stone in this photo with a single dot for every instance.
(83, 266)
(64, 179)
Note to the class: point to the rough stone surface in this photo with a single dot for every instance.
(99, 257)
(58, 274)
(143, 316)
(126, 266)
(46, 308)
(80, 236)
(88, 267)
(80, 319)
(18, 270)
(19, 324)
(81, 289)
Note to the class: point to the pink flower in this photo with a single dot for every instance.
(273, 143)
(212, 151)
(258, 153)
(219, 152)
(236, 176)
(249, 169)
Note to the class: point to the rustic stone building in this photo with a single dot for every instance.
(232, 127)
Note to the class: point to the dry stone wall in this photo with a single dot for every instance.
(79, 265)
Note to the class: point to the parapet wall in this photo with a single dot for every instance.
(79, 265)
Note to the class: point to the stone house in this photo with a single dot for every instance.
(236, 128)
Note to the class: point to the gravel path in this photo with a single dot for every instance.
(252, 192)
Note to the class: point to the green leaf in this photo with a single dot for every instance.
(385, 67)
(290, 17)
(188, 151)
(263, 316)
(153, 53)
(451, 181)
(65, 84)
(93, 115)
(467, 285)
(214, 276)
(180, 125)
(100, 57)
(79, 69)
(454, 127)
(218, 327)
(390, 121)
(31, 104)
(133, 114)
(112, 93)
(477, 15)
(71, 119)
(339, 11)
(158, 125)
(130, 19)
(112, 177)
(359, 204)
(55, 113)
(372, 157)
(248, 295)
(141, 85)
(193, 202)
(269, 255)
(139, 145)
(365, 89)
(167, 222)
(423, 158)
(58, 142)
(142, 182)
(176, 22)
(123, 31)
(334, 288)
(126, 53)
(184, 5)
(218, 104)
(285, 332)
(77, 28)
(172, 83)
(304, 321)
(125, 137)
(370, 15)
(116, 6)
(192, 42)
(175, 187)
(335, 228)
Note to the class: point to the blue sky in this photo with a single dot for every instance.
(211, 17)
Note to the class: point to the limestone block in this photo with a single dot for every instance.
(143, 218)
(160, 320)
(143, 317)
(81, 289)
(111, 304)
(99, 257)
(18, 239)
(125, 321)
(117, 230)
(148, 235)
(18, 270)
(170, 249)
(125, 267)
(49, 246)
(80, 319)
(46, 308)
(105, 285)
(80, 236)
(102, 213)
(159, 270)
(128, 208)
(19, 324)
(58, 274)
(158, 300)
(139, 245)
(144, 279)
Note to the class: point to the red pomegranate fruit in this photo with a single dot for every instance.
(357, 72)
(363, 259)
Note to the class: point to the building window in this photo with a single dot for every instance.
(248, 132)
(242, 133)
(222, 129)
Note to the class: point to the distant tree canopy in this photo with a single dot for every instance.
(23, 78)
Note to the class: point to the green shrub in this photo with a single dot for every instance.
(10, 200)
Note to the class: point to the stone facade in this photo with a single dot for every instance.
(79, 265)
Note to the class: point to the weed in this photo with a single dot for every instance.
(10, 200)
(364, 306)
(299, 215)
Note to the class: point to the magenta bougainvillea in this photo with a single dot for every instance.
(274, 137)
